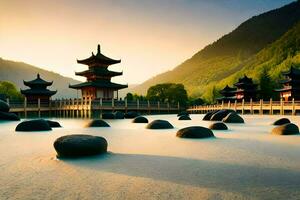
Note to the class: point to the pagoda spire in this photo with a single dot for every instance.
(98, 49)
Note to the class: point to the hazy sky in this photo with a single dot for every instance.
(149, 36)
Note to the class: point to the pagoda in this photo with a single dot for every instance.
(38, 90)
(228, 94)
(98, 84)
(291, 85)
(246, 89)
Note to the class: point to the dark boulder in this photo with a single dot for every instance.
(8, 116)
(33, 125)
(286, 129)
(97, 123)
(71, 146)
(140, 119)
(53, 124)
(218, 126)
(108, 116)
(4, 107)
(184, 117)
(159, 124)
(281, 121)
(194, 132)
(131, 115)
(182, 113)
(218, 116)
(208, 115)
(119, 115)
(233, 118)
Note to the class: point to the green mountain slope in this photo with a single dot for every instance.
(16, 72)
(227, 55)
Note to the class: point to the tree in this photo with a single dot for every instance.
(129, 96)
(168, 92)
(10, 90)
(266, 85)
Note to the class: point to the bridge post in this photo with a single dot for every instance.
(235, 102)
(73, 108)
(113, 104)
(168, 104)
(39, 107)
(271, 106)
(222, 105)
(243, 106)
(228, 104)
(90, 107)
(25, 107)
(251, 106)
(260, 106)
(293, 107)
(158, 107)
(138, 104)
(126, 104)
(148, 102)
(281, 107)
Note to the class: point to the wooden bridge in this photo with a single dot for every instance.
(260, 107)
(87, 108)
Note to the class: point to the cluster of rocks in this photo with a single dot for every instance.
(37, 125)
(5, 115)
(184, 115)
(284, 127)
(225, 115)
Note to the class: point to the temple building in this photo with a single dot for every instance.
(228, 94)
(291, 85)
(38, 90)
(246, 89)
(98, 84)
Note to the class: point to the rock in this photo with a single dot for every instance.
(8, 116)
(182, 113)
(53, 124)
(208, 115)
(140, 119)
(282, 121)
(119, 115)
(131, 115)
(194, 132)
(108, 116)
(218, 126)
(97, 123)
(233, 118)
(286, 129)
(159, 124)
(33, 125)
(4, 107)
(71, 146)
(184, 117)
(218, 116)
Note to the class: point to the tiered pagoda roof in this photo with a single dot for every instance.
(228, 93)
(292, 82)
(98, 74)
(244, 82)
(38, 86)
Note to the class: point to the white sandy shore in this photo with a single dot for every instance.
(245, 162)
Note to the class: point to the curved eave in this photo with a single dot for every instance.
(30, 83)
(37, 92)
(98, 85)
(102, 60)
(109, 73)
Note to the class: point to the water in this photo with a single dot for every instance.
(245, 162)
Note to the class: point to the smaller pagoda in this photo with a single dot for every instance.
(246, 89)
(291, 85)
(38, 90)
(228, 94)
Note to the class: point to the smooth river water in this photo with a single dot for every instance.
(245, 162)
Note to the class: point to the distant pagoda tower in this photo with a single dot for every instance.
(228, 94)
(291, 85)
(98, 84)
(38, 90)
(246, 89)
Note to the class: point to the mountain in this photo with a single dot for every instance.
(16, 72)
(230, 54)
